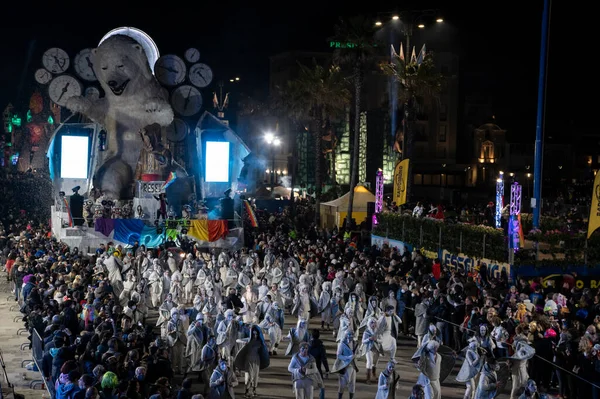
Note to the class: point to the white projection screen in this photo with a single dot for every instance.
(217, 162)
(74, 157)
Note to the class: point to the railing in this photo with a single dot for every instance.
(433, 235)
(37, 349)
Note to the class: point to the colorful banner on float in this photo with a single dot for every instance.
(130, 231)
(208, 230)
(251, 215)
(594, 220)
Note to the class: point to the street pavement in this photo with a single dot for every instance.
(275, 381)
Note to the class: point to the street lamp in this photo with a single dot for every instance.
(273, 141)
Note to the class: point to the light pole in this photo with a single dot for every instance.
(273, 142)
(539, 126)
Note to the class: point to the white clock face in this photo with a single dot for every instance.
(55, 60)
(192, 55)
(42, 76)
(200, 75)
(186, 100)
(83, 65)
(62, 88)
(170, 70)
(177, 130)
(92, 93)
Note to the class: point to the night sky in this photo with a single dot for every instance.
(499, 46)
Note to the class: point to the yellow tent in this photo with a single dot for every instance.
(334, 212)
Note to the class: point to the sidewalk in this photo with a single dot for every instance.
(10, 343)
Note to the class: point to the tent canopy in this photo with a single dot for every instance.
(361, 197)
(334, 212)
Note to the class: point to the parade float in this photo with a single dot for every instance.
(132, 154)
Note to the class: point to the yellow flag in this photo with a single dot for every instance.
(400, 180)
(594, 221)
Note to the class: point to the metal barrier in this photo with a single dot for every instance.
(37, 349)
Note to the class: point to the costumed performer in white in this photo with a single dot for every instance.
(387, 382)
(325, 305)
(487, 388)
(370, 348)
(470, 368)
(519, 360)
(388, 326)
(273, 331)
(429, 364)
(296, 336)
(345, 366)
(305, 374)
(222, 382)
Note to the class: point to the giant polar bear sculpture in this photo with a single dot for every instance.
(133, 100)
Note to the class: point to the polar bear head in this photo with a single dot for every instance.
(121, 66)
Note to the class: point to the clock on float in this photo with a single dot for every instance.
(42, 76)
(56, 60)
(170, 70)
(92, 93)
(63, 87)
(192, 55)
(186, 100)
(177, 130)
(200, 75)
(83, 65)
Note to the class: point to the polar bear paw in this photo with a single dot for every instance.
(160, 111)
(79, 104)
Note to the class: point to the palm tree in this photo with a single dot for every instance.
(357, 51)
(420, 85)
(316, 97)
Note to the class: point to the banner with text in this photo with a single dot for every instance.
(470, 265)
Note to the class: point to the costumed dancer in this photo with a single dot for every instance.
(370, 348)
(274, 331)
(305, 374)
(388, 327)
(531, 391)
(518, 362)
(227, 334)
(325, 305)
(470, 368)
(177, 341)
(487, 388)
(421, 320)
(429, 363)
(296, 336)
(347, 323)
(417, 392)
(373, 311)
(387, 382)
(208, 362)
(222, 382)
(252, 358)
(345, 365)
(197, 335)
